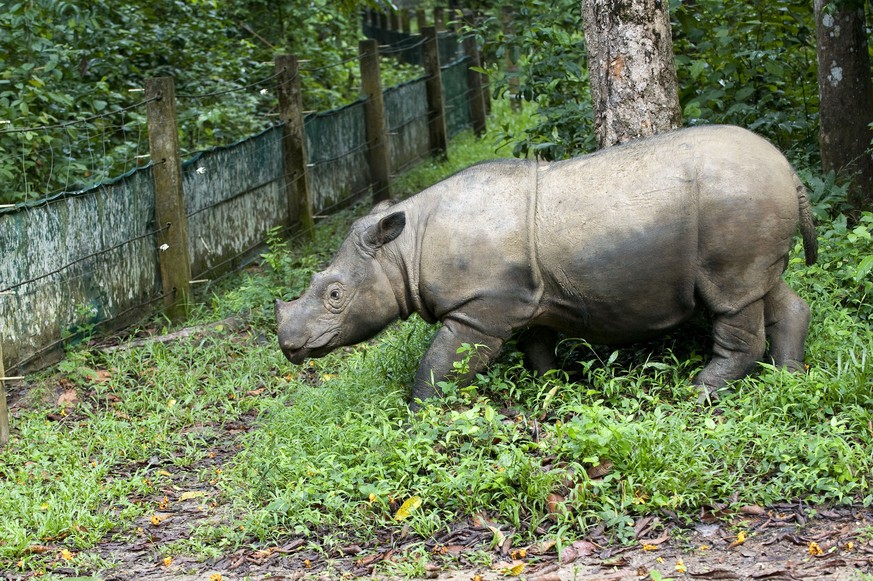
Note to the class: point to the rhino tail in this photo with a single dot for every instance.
(807, 223)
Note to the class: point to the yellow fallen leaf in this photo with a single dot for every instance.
(67, 555)
(191, 494)
(216, 577)
(515, 570)
(499, 537)
(407, 507)
(814, 549)
(650, 547)
(164, 473)
(158, 519)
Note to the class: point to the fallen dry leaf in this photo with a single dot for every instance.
(577, 550)
(191, 494)
(753, 510)
(556, 506)
(68, 398)
(512, 569)
(601, 470)
(542, 547)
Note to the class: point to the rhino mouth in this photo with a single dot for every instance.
(319, 347)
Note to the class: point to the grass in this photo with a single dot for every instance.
(328, 450)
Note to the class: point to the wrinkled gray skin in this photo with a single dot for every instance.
(612, 247)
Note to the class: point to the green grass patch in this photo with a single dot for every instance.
(330, 451)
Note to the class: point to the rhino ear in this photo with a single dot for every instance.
(385, 230)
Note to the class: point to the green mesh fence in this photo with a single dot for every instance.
(81, 259)
(233, 196)
(74, 260)
(456, 95)
(406, 119)
(336, 145)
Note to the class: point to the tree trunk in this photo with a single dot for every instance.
(846, 106)
(633, 77)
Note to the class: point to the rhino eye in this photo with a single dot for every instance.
(335, 295)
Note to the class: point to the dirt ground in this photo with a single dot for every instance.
(778, 542)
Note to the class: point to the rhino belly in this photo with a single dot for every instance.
(621, 265)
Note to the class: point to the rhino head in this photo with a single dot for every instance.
(349, 302)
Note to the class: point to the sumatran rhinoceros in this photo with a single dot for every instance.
(612, 247)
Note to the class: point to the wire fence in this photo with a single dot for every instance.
(79, 258)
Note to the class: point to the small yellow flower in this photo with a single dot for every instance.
(703, 548)
(307, 563)
(167, 561)
(741, 537)
(680, 566)
(814, 549)
(660, 560)
(67, 555)
(216, 577)
(171, 403)
(650, 547)
(850, 546)
(157, 519)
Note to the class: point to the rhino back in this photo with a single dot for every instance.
(630, 238)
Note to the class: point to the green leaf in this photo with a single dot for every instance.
(864, 268)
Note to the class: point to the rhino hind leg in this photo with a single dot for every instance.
(787, 319)
(739, 343)
(538, 344)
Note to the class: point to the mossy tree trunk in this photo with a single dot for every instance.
(633, 76)
(846, 106)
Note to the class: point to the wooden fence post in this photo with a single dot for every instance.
(421, 20)
(172, 236)
(405, 26)
(374, 112)
(296, 178)
(474, 82)
(4, 411)
(394, 20)
(439, 20)
(436, 111)
(509, 62)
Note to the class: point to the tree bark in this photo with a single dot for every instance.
(846, 96)
(634, 90)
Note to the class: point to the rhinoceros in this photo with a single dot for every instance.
(612, 247)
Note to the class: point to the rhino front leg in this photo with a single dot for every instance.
(738, 345)
(438, 363)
